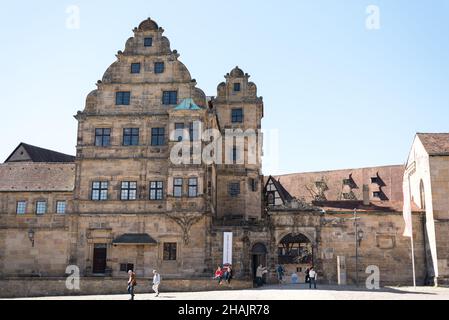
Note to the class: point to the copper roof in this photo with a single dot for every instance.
(436, 144)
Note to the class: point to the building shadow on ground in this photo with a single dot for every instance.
(323, 287)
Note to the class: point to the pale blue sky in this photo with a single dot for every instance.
(341, 96)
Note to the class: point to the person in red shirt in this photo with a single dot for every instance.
(219, 275)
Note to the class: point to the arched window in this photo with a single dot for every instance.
(422, 195)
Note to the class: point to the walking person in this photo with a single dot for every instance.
(312, 278)
(307, 279)
(131, 283)
(280, 273)
(156, 282)
(260, 271)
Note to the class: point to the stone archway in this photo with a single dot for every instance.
(296, 253)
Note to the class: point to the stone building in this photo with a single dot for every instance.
(427, 172)
(139, 195)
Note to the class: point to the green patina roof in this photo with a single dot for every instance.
(187, 104)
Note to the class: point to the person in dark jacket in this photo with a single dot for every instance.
(307, 275)
(229, 274)
(131, 283)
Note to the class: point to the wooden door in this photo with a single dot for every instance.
(99, 260)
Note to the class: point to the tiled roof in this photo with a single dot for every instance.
(374, 206)
(305, 186)
(30, 176)
(38, 154)
(435, 143)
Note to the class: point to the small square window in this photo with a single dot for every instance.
(156, 190)
(169, 251)
(102, 137)
(237, 87)
(125, 267)
(159, 67)
(234, 189)
(21, 207)
(157, 136)
(122, 98)
(169, 97)
(99, 190)
(135, 67)
(237, 115)
(61, 207)
(377, 194)
(148, 42)
(41, 207)
(375, 180)
(128, 190)
(131, 136)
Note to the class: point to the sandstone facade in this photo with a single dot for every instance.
(128, 205)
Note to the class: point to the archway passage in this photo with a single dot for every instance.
(258, 257)
(295, 252)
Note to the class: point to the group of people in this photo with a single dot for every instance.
(310, 275)
(224, 273)
(132, 282)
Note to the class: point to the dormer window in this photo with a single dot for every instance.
(148, 42)
(237, 87)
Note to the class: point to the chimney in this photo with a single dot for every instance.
(366, 201)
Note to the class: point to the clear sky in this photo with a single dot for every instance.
(341, 95)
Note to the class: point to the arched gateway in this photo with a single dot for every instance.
(295, 252)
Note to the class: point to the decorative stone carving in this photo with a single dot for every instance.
(185, 221)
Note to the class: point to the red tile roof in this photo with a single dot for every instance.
(303, 185)
(436, 144)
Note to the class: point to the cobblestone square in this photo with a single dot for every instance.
(286, 292)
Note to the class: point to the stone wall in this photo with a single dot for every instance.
(333, 234)
(40, 287)
(103, 229)
(439, 174)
